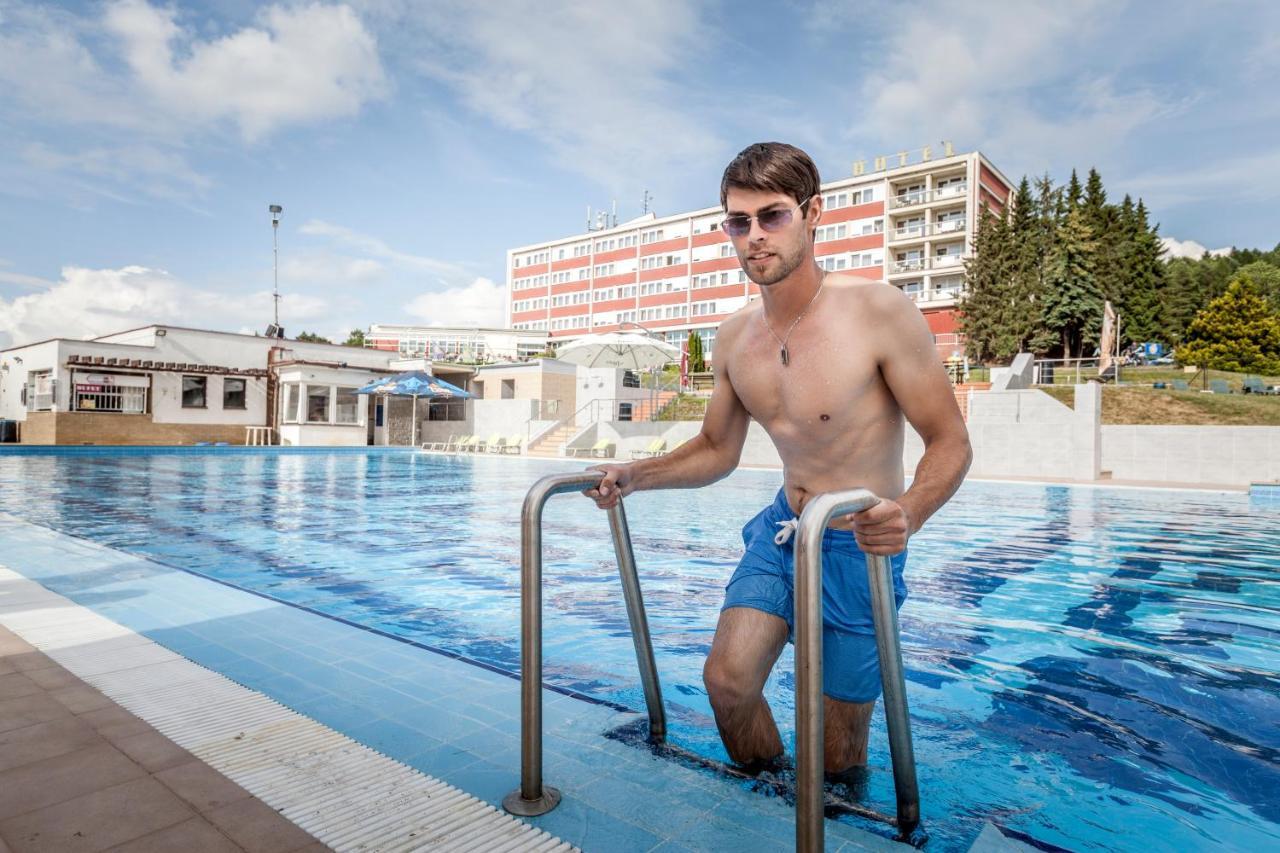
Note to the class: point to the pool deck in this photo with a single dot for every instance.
(428, 722)
(79, 772)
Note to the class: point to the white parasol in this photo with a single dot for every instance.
(628, 350)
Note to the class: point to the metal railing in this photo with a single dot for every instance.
(535, 798)
(922, 196)
(814, 519)
(532, 797)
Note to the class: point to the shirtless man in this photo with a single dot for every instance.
(829, 365)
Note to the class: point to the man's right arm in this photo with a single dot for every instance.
(709, 456)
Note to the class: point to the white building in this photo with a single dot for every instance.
(174, 385)
(449, 343)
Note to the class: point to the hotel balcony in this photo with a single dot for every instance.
(920, 198)
(922, 230)
(933, 295)
(910, 266)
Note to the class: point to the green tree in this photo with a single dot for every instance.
(355, 339)
(313, 338)
(697, 364)
(1073, 301)
(981, 308)
(1266, 275)
(1143, 280)
(1238, 331)
(1022, 320)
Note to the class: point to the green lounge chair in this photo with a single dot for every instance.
(513, 444)
(441, 446)
(1219, 386)
(602, 448)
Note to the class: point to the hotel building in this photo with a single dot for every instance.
(906, 219)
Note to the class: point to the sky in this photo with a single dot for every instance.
(411, 143)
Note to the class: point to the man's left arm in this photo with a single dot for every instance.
(914, 373)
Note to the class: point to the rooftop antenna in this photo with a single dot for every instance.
(647, 198)
(615, 214)
(589, 218)
(276, 210)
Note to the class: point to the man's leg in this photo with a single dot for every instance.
(745, 648)
(845, 729)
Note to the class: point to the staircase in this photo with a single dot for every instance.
(641, 411)
(552, 443)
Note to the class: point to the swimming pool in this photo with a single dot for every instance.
(1090, 668)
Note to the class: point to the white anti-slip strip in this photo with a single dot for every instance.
(342, 792)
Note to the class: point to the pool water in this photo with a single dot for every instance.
(1088, 668)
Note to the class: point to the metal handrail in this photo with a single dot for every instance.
(814, 519)
(532, 797)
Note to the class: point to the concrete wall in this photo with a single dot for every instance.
(117, 429)
(1030, 434)
(1219, 455)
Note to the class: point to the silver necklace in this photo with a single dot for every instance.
(783, 353)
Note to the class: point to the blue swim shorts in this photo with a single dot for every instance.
(765, 580)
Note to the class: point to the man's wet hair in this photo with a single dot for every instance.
(772, 167)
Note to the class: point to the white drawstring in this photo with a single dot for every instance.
(788, 528)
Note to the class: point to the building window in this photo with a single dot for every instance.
(290, 413)
(317, 404)
(40, 391)
(233, 393)
(193, 392)
(348, 405)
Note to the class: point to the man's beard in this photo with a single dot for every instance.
(787, 264)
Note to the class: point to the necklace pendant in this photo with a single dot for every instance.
(784, 356)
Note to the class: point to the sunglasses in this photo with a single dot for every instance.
(775, 219)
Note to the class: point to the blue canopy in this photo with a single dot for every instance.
(415, 383)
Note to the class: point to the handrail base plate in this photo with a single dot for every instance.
(515, 803)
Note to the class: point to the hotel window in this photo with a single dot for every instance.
(832, 201)
(830, 232)
(348, 406)
(317, 404)
(290, 414)
(40, 391)
(726, 250)
(233, 396)
(193, 391)
(653, 236)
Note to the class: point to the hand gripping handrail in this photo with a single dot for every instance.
(532, 797)
(814, 519)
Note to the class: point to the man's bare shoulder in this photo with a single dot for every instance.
(870, 297)
(732, 326)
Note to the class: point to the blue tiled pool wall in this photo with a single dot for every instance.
(1080, 601)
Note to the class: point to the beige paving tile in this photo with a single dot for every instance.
(258, 828)
(201, 786)
(80, 698)
(6, 667)
(15, 685)
(52, 678)
(153, 751)
(29, 710)
(196, 835)
(29, 660)
(54, 780)
(97, 820)
(114, 722)
(45, 740)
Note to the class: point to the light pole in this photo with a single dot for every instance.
(276, 210)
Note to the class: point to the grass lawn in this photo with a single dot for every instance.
(1142, 404)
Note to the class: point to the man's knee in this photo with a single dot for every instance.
(727, 686)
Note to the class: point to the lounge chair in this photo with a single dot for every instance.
(442, 446)
(655, 448)
(1181, 385)
(1219, 386)
(483, 445)
(602, 448)
(513, 444)
(468, 444)
(496, 444)
(1254, 385)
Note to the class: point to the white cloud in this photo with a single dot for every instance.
(446, 272)
(481, 303)
(90, 302)
(607, 92)
(115, 170)
(1013, 78)
(1174, 248)
(299, 64)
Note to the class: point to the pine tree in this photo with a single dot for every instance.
(1073, 302)
(980, 307)
(1238, 331)
(1023, 300)
(697, 364)
(1266, 276)
(1050, 205)
(1073, 196)
(1140, 303)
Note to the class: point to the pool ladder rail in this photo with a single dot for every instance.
(534, 798)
